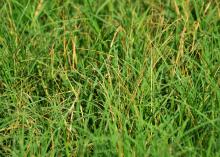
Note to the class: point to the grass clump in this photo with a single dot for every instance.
(109, 78)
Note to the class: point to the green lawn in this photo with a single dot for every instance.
(110, 78)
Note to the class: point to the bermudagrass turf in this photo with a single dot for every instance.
(109, 78)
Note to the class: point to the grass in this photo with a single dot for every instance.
(110, 78)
